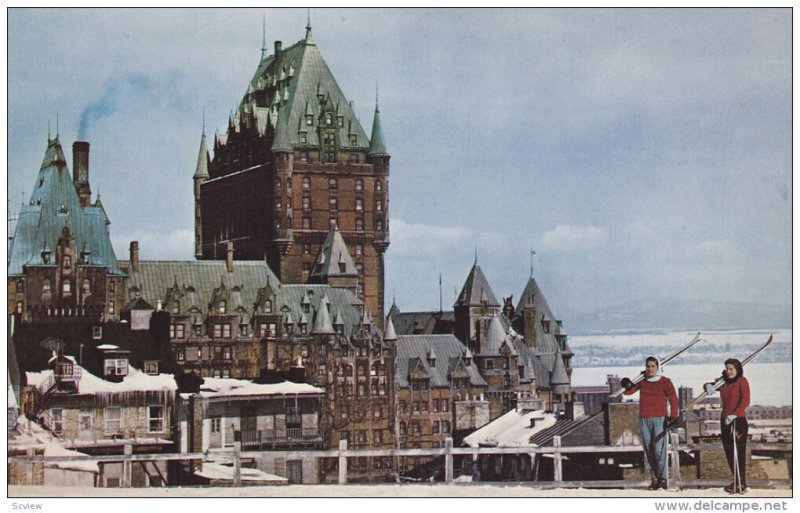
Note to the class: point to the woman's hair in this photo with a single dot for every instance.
(736, 365)
(652, 359)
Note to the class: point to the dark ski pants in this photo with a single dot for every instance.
(741, 445)
(654, 440)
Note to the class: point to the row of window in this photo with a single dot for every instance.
(333, 184)
(375, 389)
(196, 353)
(332, 222)
(362, 436)
(437, 405)
(112, 420)
(328, 139)
(333, 204)
(437, 427)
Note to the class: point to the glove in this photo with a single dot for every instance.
(626, 383)
(670, 422)
(730, 418)
(709, 388)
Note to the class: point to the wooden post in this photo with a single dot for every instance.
(31, 452)
(127, 467)
(675, 468)
(557, 471)
(448, 460)
(237, 460)
(342, 462)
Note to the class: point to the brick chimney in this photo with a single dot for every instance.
(80, 171)
(134, 256)
(229, 257)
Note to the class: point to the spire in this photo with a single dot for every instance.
(263, 36)
(377, 146)
(309, 40)
(334, 257)
(201, 171)
(532, 253)
(322, 324)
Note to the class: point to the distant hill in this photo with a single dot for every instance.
(662, 313)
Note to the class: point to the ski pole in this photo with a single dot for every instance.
(737, 485)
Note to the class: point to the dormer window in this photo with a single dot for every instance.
(328, 119)
(309, 119)
(268, 306)
(340, 121)
(116, 367)
(176, 307)
(303, 328)
(66, 287)
(97, 332)
(66, 260)
(151, 367)
(303, 137)
(353, 140)
(222, 307)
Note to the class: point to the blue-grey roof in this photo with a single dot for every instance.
(496, 336)
(201, 284)
(413, 352)
(54, 204)
(476, 290)
(334, 259)
(377, 145)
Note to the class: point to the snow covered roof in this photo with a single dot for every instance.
(220, 471)
(513, 429)
(230, 387)
(135, 381)
(31, 434)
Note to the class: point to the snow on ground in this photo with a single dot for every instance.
(405, 490)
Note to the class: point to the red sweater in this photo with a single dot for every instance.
(653, 397)
(735, 398)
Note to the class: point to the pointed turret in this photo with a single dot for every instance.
(476, 290)
(495, 337)
(334, 259)
(200, 176)
(559, 376)
(377, 146)
(201, 171)
(322, 324)
(389, 333)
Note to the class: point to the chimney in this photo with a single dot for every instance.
(278, 45)
(80, 171)
(229, 258)
(533, 422)
(134, 256)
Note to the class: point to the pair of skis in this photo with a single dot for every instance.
(717, 384)
(664, 361)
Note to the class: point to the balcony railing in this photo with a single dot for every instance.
(274, 437)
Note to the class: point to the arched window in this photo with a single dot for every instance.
(332, 184)
(268, 306)
(222, 307)
(67, 261)
(359, 184)
(328, 119)
(176, 307)
(378, 185)
(306, 182)
(86, 287)
(66, 287)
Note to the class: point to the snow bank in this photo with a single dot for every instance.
(39, 437)
(220, 471)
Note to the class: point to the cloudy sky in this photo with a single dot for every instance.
(642, 153)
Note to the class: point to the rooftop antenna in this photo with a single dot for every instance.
(532, 253)
(56, 126)
(263, 36)
(204, 120)
(476, 255)
(376, 94)
(440, 293)
(48, 130)
(308, 23)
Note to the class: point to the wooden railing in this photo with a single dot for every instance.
(557, 452)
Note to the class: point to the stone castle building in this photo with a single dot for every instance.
(293, 163)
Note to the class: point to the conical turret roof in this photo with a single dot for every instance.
(201, 171)
(389, 333)
(476, 290)
(377, 146)
(322, 324)
(334, 259)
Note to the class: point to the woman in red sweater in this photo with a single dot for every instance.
(735, 394)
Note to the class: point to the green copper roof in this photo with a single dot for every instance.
(377, 146)
(54, 204)
(296, 84)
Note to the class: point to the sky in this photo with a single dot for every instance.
(641, 153)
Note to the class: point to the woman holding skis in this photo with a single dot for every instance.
(735, 395)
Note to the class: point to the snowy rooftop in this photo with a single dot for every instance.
(220, 471)
(32, 435)
(135, 381)
(227, 387)
(512, 429)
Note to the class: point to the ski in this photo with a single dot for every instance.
(721, 380)
(663, 362)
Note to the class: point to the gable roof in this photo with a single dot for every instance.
(54, 205)
(334, 259)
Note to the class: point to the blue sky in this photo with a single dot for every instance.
(642, 153)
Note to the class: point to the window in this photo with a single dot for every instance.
(378, 185)
(354, 158)
(362, 437)
(359, 268)
(67, 261)
(353, 139)
(18, 307)
(377, 436)
(180, 354)
(379, 206)
(445, 405)
(243, 330)
(328, 119)
(151, 367)
(379, 224)
(344, 435)
(180, 331)
(359, 184)
(359, 250)
(222, 307)
(435, 405)
(332, 184)
(303, 329)
(306, 223)
(359, 224)
(198, 329)
(217, 330)
(267, 306)
(333, 203)
(489, 365)
(359, 204)
(111, 307)
(226, 353)
(303, 137)
(330, 156)
(84, 421)
(435, 427)
(118, 367)
(57, 418)
(97, 332)
(445, 426)
(226, 330)
(155, 419)
(306, 202)
(66, 287)
(340, 121)
(402, 428)
(113, 419)
(303, 156)
(309, 119)
(216, 425)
